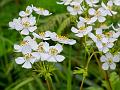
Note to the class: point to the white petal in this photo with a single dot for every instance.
(72, 42)
(45, 56)
(116, 58)
(101, 19)
(103, 58)
(74, 30)
(70, 9)
(92, 11)
(52, 59)
(109, 55)
(31, 29)
(25, 32)
(32, 60)
(59, 47)
(105, 66)
(19, 60)
(59, 58)
(35, 35)
(36, 55)
(93, 19)
(27, 65)
(17, 48)
(112, 66)
(79, 35)
(26, 49)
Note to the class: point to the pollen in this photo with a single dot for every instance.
(26, 24)
(62, 37)
(41, 48)
(28, 56)
(82, 28)
(42, 34)
(53, 51)
(24, 43)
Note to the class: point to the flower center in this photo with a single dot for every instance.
(76, 7)
(62, 37)
(109, 34)
(23, 43)
(26, 24)
(104, 44)
(53, 51)
(42, 34)
(110, 61)
(28, 56)
(40, 48)
(27, 11)
(82, 28)
(41, 9)
(99, 37)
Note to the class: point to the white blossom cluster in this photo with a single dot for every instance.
(34, 47)
(92, 18)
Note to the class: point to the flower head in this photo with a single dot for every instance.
(42, 35)
(62, 39)
(108, 8)
(109, 60)
(27, 60)
(27, 12)
(41, 11)
(82, 29)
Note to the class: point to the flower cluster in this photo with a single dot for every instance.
(34, 46)
(92, 23)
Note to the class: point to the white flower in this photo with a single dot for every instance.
(53, 54)
(76, 2)
(16, 24)
(62, 39)
(25, 25)
(108, 8)
(106, 46)
(26, 45)
(42, 49)
(27, 60)
(74, 10)
(65, 2)
(27, 12)
(82, 29)
(98, 15)
(85, 20)
(102, 42)
(41, 11)
(28, 25)
(112, 36)
(92, 3)
(109, 61)
(42, 35)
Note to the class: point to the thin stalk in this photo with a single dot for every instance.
(81, 86)
(110, 87)
(48, 84)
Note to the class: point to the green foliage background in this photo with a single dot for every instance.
(13, 77)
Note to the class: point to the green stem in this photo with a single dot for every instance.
(81, 86)
(110, 87)
(48, 84)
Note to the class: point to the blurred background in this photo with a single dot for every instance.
(14, 77)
